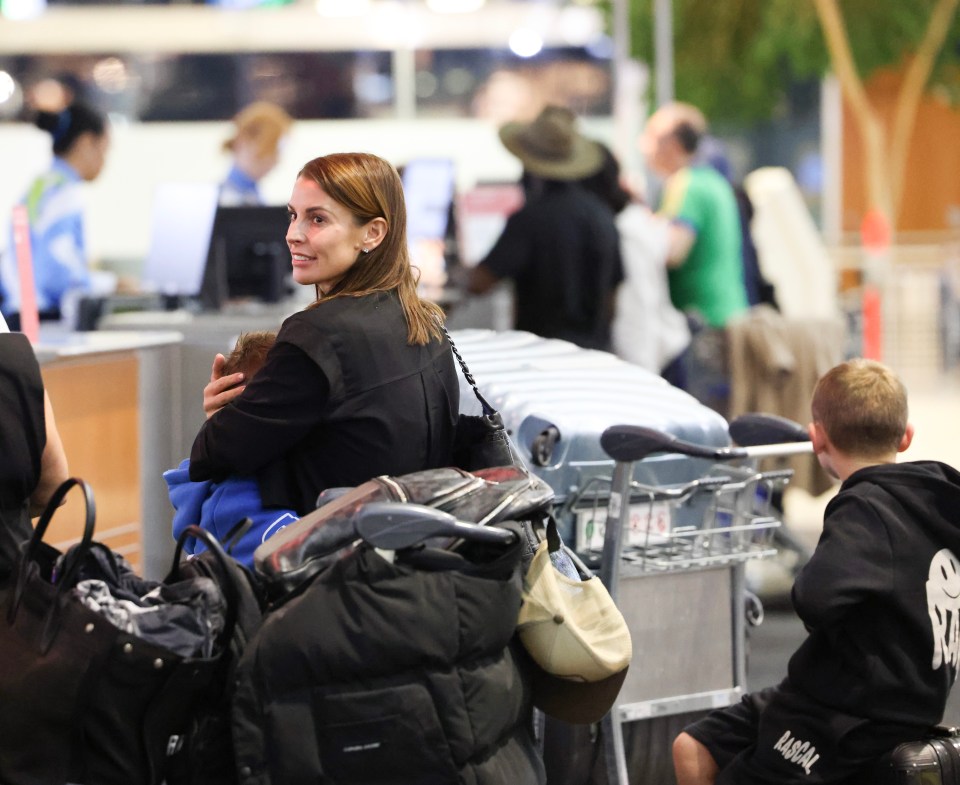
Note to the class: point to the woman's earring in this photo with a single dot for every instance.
(365, 250)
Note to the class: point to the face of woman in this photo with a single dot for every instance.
(89, 154)
(323, 237)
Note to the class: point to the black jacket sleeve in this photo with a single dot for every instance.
(279, 407)
(852, 561)
(22, 421)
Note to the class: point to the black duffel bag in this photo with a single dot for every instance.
(82, 700)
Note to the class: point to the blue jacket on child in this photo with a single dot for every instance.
(218, 507)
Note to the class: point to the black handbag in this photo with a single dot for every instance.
(82, 700)
(481, 441)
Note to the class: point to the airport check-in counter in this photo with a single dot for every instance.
(115, 397)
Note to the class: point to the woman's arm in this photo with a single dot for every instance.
(277, 408)
(53, 463)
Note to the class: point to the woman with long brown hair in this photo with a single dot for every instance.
(361, 382)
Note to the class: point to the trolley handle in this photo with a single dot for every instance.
(680, 493)
(629, 443)
(756, 428)
(397, 525)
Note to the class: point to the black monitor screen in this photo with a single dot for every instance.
(248, 256)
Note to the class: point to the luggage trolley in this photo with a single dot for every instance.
(685, 613)
(681, 586)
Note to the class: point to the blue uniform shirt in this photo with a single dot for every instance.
(54, 205)
(239, 189)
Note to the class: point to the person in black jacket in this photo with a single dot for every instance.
(880, 598)
(562, 248)
(33, 463)
(360, 383)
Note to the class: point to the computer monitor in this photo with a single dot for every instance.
(181, 225)
(428, 188)
(247, 257)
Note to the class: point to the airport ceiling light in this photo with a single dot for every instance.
(525, 42)
(11, 96)
(396, 25)
(577, 25)
(455, 6)
(342, 8)
(22, 9)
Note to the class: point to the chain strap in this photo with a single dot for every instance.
(488, 410)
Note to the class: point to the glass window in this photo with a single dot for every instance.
(492, 84)
(498, 85)
(151, 87)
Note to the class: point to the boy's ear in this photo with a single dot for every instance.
(906, 439)
(817, 436)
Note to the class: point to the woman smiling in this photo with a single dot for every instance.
(361, 382)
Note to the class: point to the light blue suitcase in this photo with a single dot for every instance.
(557, 398)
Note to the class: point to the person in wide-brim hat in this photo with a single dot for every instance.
(551, 147)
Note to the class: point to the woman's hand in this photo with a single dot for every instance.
(221, 389)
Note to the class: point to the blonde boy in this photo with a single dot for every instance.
(880, 598)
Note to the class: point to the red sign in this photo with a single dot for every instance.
(875, 231)
(29, 317)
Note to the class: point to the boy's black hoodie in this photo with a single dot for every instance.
(881, 596)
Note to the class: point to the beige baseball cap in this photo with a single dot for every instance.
(576, 635)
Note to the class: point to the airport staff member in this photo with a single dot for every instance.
(54, 203)
(259, 130)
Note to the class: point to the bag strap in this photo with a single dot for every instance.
(64, 581)
(488, 410)
(29, 549)
(228, 586)
(235, 533)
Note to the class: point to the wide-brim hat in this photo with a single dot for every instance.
(551, 147)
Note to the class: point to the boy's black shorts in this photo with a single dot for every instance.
(778, 736)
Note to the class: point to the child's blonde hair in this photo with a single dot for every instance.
(862, 406)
